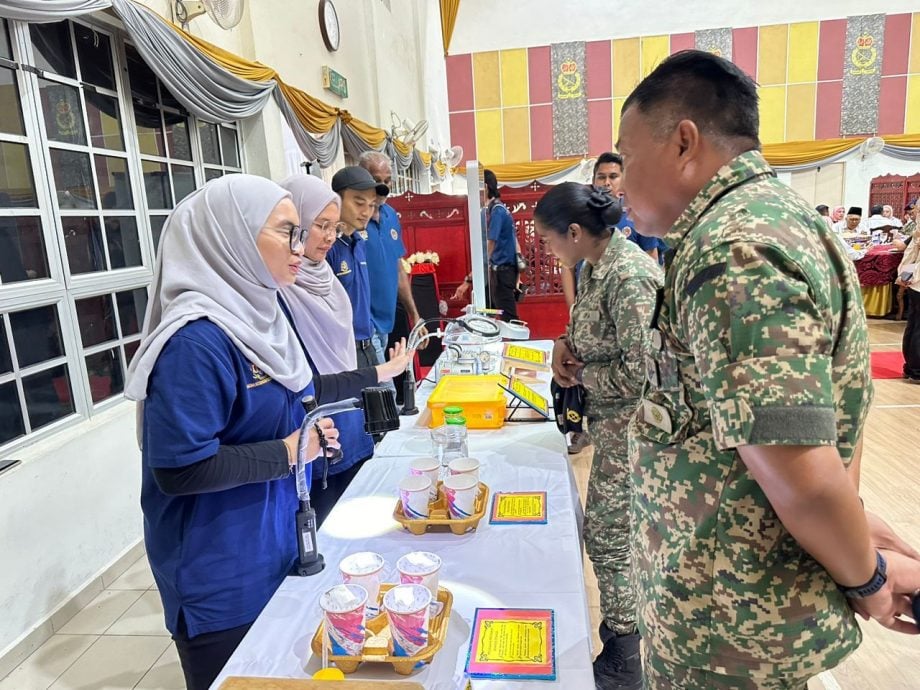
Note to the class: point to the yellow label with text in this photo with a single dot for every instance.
(521, 505)
(528, 394)
(512, 642)
(525, 354)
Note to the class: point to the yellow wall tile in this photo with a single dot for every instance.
(625, 66)
(617, 107)
(803, 52)
(654, 50)
(486, 88)
(489, 147)
(516, 126)
(800, 112)
(772, 114)
(514, 78)
(912, 123)
(915, 46)
(771, 58)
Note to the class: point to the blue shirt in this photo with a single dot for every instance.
(501, 231)
(646, 244)
(348, 258)
(217, 557)
(384, 250)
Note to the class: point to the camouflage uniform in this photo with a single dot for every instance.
(608, 330)
(761, 340)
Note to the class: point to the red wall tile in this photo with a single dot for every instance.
(600, 126)
(463, 133)
(892, 104)
(682, 42)
(541, 132)
(831, 42)
(744, 50)
(538, 67)
(897, 44)
(460, 82)
(598, 64)
(827, 112)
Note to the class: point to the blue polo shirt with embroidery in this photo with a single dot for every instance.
(384, 250)
(348, 258)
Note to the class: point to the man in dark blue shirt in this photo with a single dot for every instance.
(348, 256)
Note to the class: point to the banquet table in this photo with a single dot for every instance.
(877, 271)
(519, 566)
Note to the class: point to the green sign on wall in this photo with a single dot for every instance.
(335, 82)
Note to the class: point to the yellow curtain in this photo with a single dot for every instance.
(316, 117)
(426, 158)
(911, 140)
(801, 152)
(524, 172)
(370, 135)
(448, 21)
(877, 299)
(245, 69)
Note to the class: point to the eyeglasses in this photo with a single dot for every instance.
(296, 236)
(329, 229)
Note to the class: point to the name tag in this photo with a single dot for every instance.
(656, 415)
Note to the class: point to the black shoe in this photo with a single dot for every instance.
(619, 665)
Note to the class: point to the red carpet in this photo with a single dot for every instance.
(887, 365)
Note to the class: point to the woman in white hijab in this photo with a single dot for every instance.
(221, 374)
(321, 313)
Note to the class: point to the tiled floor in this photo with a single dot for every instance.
(117, 642)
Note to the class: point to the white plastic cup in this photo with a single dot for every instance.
(408, 612)
(344, 610)
(421, 568)
(427, 467)
(461, 491)
(414, 491)
(465, 466)
(363, 568)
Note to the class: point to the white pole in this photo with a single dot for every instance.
(476, 237)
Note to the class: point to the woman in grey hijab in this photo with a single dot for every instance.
(321, 313)
(221, 374)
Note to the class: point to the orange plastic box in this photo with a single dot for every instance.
(481, 397)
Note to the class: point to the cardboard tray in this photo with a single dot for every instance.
(438, 519)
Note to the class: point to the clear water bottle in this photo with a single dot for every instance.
(448, 441)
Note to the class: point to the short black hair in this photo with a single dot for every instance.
(709, 90)
(570, 202)
(605, 158)
(876, 210)
(822, 209)
(491, 184)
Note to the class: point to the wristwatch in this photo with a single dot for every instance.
(879, 578)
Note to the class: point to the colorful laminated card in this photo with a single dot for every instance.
(519, 508)
(513, 644)
(527, 356)
(528, 396)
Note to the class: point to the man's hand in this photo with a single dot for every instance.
(565, 364)
(330, 433)
(461, 291)
(422, 332)
(397, 364)
(890, 606)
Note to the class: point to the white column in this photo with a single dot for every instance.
(476, 240)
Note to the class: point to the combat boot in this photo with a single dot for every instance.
(619, 665)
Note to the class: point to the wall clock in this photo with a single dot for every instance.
(329, 25)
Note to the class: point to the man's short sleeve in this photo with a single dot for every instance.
(762, 345)
(496, 222)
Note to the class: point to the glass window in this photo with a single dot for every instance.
(212, 174)
(230, 147)
(210, 148)
(11, 424)
(143, 80)
(53, 49)
(156, 228)
(124, 244)
(6, 361)
(6, 50)
(95, 54)
(22, 249)
(11, 112)
(96, 318)
(73, 177)
(48, 396)
(156, 184)
(114, 182)
(180, 146)
(104, 121)
(132, 306)
(106, 377)
(183, 181)
(37, 335)
(63, 112)
(149, 131)
(17, 186)
(83, 242)
(130, 349)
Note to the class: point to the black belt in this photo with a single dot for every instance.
(503, 267)
(364, 344)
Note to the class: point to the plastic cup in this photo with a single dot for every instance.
(421, 568)
(414, 491)
(408, 613)
(427, 467)
(343, 610)
(363, 568)
(465, 466)
(461, 491)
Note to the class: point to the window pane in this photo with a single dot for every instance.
(106, 377)
(183, 181)
(143, 80)
(62, 111)
(73, 178)
(48, 396)
(156, 183)
(180, 146)
(83, 240)
(11, 424)
(11, 112)
(17, 186)
(149, 131)
(96, 318)
(124, 245)
(229, 146)
(132, 305)
(5, 49)
(52, 48)
(114, 182)
(104, 121)
(37, 335)
(95, 55)
(156, 229)
(6, 361)
(210, 150)
(130, 349)
(212, 174)
(22, 249)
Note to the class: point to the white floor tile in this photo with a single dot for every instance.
(48, 662)
(101, 612)
(138, 576)
(145, 617)
(113, 663)
(166, 673)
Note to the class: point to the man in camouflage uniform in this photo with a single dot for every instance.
(606, 342)
(748, 532)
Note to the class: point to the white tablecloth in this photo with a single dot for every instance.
(526, 566)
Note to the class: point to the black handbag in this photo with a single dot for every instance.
(568, 407)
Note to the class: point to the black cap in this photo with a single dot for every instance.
(355, 177)
(855, 211)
